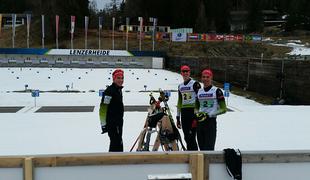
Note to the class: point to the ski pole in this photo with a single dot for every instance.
(135, 143)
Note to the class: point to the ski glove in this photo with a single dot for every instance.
(201, 116)
(104, 129)
(178, 122)
(194, 123)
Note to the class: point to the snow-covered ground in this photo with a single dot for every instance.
(297, 47)
(251, 126)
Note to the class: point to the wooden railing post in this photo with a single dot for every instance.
(28, 169)
(197, 166)
(206, 167)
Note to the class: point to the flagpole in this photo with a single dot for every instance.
(72, 29)
(140, 39)
(13, 29)
(28, 28)
(127, 29)
(154, 20)
(0, 24)
(100, 27)
(57, 29)
(43, 31)
(86, 29)
(113, 25)
(99, 40)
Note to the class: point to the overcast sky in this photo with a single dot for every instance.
(101, 3)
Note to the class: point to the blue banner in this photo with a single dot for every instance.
(23, 51)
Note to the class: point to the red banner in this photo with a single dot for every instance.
(231, 37)
(239, 37)
(215, 37)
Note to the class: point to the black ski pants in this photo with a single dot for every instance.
(115, 133)
(187, 116)
(206, 134)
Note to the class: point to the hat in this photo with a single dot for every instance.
(207, 72)
(117, 73)
(185, 68)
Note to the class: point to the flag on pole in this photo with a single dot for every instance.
(0, 23)
(86, 29)
(13, 24)
(100, 22)
(43, 28)
(155, 22)
(72, 29)
(57, 25)
(57, 29)
(113, 26)
(113, 23)
(127, 30)
(86, 25)
(154, 32)
(13, 29)
(127, 24)
(28, 24)
(141, 23)
(141, 26)
(28, 16)
(72, 24)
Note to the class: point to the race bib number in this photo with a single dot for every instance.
(107, 99)
(187, 96)
(208, 104)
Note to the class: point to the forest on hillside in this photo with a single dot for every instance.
(202, 15)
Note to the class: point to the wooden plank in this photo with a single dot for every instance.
(153, 158)
(11, 162)
(118, 159)
(260, 157)
(28, 169)
(197, 166)
(206, 167)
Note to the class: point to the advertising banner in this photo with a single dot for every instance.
(179, 37)
(163, 36)
(196, 37)
(219, 37)
(239, 37)
(248, 37)
(229, 37)
(215, 37)
(257, 38)
(88, 52)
